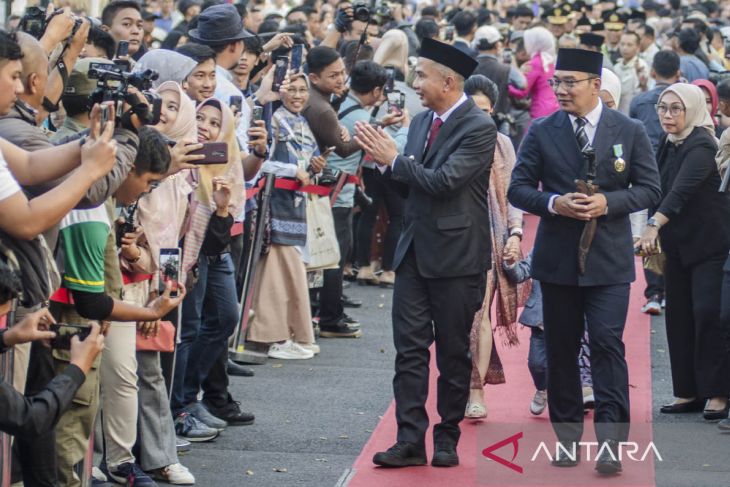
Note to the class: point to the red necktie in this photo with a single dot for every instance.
(434, 131)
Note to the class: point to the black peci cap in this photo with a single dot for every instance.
(591, 39)
(448, 56)
(579, 60)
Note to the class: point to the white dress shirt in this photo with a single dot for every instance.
(590, 127)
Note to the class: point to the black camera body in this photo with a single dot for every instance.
(34, 22)
(114, 82)
(128, 225)
(361, 12)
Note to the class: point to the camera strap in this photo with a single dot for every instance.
(48, 105)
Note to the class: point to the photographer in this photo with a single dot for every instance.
(351, 21)
(28, 416)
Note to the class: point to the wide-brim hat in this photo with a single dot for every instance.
(449, 56)
(219, 24)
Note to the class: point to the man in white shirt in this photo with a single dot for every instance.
(631, 69)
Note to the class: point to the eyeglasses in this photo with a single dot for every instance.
(568, 83)
(673, 110)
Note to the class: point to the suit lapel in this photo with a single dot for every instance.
(567, 144)
(603, 141)
(447, 128)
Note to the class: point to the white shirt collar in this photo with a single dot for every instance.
(592, 117)
(451, 110)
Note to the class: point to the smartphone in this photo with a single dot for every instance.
(296, 57)
(390, 83)
(65, 332)
(281, 66)
(214, 152)
(170, 269)
(328, 151)
(256, 114)
(449, 36)
(396, 101)
(507, 56)
(236, 102)
(122, 49)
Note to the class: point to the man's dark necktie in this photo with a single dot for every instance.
(581, 135)
(433, 132)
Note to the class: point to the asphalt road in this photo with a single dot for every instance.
(314, 416)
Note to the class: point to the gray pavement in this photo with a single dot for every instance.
(313, 417)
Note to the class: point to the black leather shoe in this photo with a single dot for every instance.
(607, 462)
(445, 456)
(238, 370)
(350, 303)
(716, 414)
(568, 456)
(340, 330)
(686, 407)
(402, 454)
(231, 413)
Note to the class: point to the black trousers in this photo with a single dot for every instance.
(331, 310)
(654, 284)
(695, 334)
(380, 192)
(424, 311)
(567, 311)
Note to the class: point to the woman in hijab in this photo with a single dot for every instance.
(610, 93)
(693, 222)
(281, 299)
(393, 53)
(711, 100)
(506, 232)
(206, 255)
(170, 65)
(160, 214)
(540, 46)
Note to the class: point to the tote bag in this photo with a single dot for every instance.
(324, 250)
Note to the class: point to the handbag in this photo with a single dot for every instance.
(656, 261)
(163, 342)
(324, 249)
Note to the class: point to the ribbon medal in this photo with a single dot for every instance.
(619, 164)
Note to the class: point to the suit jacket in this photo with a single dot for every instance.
(699, 216)
(446, 215)
(464, 47)
(498, 72)
(549, 156)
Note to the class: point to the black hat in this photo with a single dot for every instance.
(593, 40)
(637, 14)
(614, 20)
(583, 20)
(579, 60)
(448, 56)
(219, 24)
(558, 15)
(598, 27)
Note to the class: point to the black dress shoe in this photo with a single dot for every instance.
(607, 462)
(445, 456)
(340, 330)
(567, 456)
(402, 454)
(350, 303)
(238, 370)
(716, 414)
(230, 413)
(685, 407)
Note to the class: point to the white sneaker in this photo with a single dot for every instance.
(97, 474)
(539, 401)
(312, 347)
(289, 351)
(176, 474)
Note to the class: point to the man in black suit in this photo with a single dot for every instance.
(465, 25)
(444, 250)
(628, 181)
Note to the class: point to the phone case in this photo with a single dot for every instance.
(214, 152)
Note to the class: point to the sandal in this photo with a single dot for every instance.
(475, 411)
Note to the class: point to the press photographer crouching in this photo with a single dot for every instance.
(25, 416)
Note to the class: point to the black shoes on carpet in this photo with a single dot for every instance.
(404, 454)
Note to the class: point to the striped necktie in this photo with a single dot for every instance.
(581, 135)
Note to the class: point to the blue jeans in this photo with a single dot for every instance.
(209, 316)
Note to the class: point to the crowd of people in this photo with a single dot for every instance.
(135, 144)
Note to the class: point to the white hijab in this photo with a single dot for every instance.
(170, 65)
(695, 110)
(611, 84)
(539, 40)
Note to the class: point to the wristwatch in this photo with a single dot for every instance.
(652, 222)
(516, 232)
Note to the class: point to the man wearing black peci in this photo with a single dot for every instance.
(443, 252)
(554, 155)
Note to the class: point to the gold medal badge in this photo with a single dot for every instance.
(619, 164)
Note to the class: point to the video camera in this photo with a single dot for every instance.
(34, 22)
(362, 12)
(113, 85)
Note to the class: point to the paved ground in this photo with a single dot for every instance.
(314, 416)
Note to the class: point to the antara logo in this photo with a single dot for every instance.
(626, 450)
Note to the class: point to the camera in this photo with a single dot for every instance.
(128, 225)
(114, 82)
(34, 22)
(361, 12)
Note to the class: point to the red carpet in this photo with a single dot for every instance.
(509, 415)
